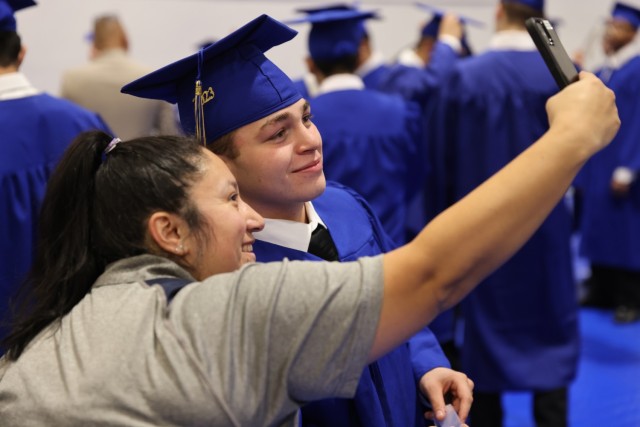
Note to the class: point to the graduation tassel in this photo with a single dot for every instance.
(198, 103)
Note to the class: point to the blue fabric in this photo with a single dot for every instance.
(418, 84)
(170, 285)
(535, 4)
(627, 13)
(611, 225)
(521, 322)
(7, 11)
(431, 28)
(335, 33)
(301, 87)
(376, 75)
(387, 393)
(35, 132)
(371, 142)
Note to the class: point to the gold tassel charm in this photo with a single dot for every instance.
(198, 104)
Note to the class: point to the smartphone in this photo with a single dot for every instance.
(555, 56)
(451, 418)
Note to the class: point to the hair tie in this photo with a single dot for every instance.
(110, 147)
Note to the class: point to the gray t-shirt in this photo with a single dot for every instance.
(239, 349)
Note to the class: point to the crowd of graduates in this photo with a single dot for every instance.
(382, 147)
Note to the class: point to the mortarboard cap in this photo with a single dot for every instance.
(534, 4)
(7, 11)
(337, 6)
(239, 84)
(433, 26)
(335, 32)
(625, 12)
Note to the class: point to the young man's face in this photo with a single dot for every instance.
(279, 165)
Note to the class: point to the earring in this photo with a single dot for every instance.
(179, 248)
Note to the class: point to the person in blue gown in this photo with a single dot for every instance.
(249, 113)
(610, 222)
(35, 130)
(521, 323)
(419, 53)
(371, 140)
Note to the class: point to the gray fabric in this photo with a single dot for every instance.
(242, 349)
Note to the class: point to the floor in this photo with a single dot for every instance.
(606, 391)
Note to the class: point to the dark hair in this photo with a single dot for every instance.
(10, 46)
(344, 64)
(224, 146)
(94, 212)
(518, 13)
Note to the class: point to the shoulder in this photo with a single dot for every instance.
(339, 193)
(56, 109)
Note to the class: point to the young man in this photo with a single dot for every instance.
(371, 141)
(249, 113)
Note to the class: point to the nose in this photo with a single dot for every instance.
(309, 139)
(255, 221)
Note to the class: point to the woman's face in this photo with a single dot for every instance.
(225, 242)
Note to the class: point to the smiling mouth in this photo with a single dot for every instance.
(308, 166)
(247, 247)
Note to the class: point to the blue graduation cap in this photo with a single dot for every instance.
(227, 84)
(433, 26)
(534, 4)
(625, 12)
(337, 6)
(7, 10)
(335, 33)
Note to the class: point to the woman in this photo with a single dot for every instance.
(170, 334)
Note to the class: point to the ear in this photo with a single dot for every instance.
(169, 232)
(313, 69)
(21, 54)
(499, 17)
(364, 51)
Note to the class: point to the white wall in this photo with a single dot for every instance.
(162, 31)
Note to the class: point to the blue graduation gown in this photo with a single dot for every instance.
(302, 88)
(611, 225)
(35, 131)
(417, 84)
(372, 143)
(521, 322)
(374, 77)
(387, 393)
(420, 85)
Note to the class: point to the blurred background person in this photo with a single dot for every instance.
(370, 139)
(521, 323)
(96, 85)
(35, 129)
(419, 54)
(610, 222)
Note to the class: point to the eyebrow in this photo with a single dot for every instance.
(284, 116)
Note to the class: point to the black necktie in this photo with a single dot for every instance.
(322, 245)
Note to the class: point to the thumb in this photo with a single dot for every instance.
(436, 398)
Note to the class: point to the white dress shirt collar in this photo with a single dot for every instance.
(519, 40)
(14, 86)
(290, 234)
(343, 81)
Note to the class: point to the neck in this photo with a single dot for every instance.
(294, 212)
(8, 70)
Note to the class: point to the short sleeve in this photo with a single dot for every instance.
(273, 336)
